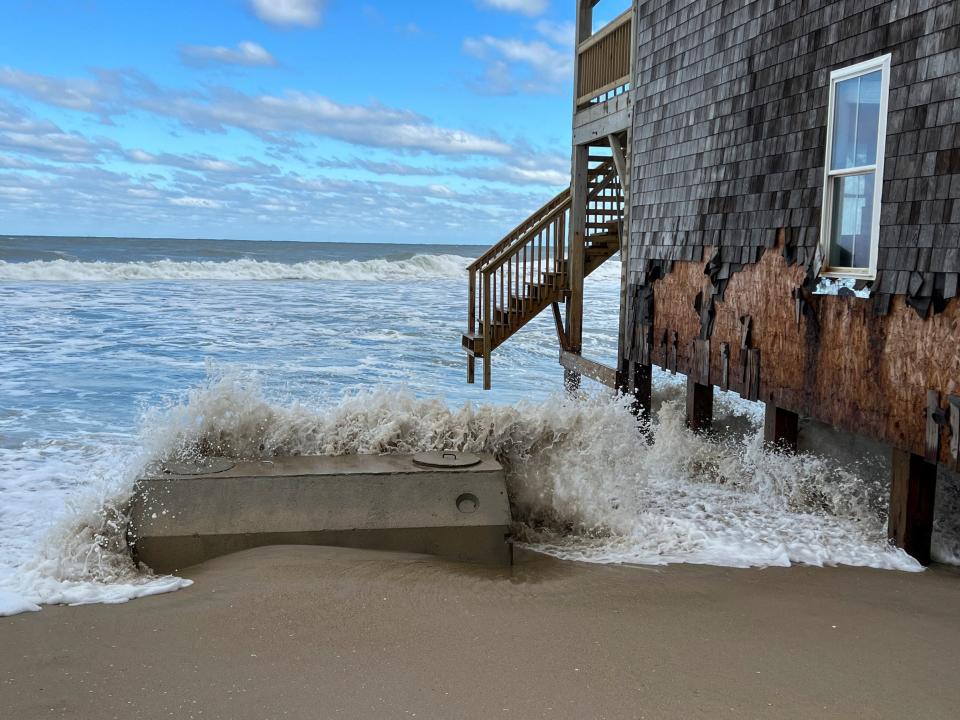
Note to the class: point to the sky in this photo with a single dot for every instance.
(442, 121)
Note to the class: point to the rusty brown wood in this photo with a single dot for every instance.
(642, 389)
(954, 404)
(932, 435)
(912, 490)
(781, 427)
(580, 365)
(701, 361)
(699, 406)
(753, 374)
(724, 366)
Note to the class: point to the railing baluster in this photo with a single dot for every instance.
(502, 305)
(521, 276)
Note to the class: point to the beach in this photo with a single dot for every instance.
(313, 632)
(712, 587)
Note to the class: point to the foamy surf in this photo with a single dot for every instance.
(418, 267)
(586, 483)
(78, 555)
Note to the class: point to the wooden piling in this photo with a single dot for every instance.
(780, 427)
(912, 490)
(699, 406)
(642, 389)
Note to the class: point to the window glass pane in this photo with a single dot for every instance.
(856, 119)
(851, 220)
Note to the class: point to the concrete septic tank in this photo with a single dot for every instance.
(452, 504)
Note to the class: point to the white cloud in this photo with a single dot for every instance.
(247, 170)
(247, 53)
(559, 33)
(72, 93)
(42, 138)
(275, 118)
(51, 177)
(372, 125)
(307, 13)
(514, 65)
(288, 204)
(196, 202)
(526, 7)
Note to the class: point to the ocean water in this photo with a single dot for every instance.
(119, 352)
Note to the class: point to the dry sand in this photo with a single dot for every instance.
(309, 632)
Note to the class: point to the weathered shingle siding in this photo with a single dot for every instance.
(729, 132)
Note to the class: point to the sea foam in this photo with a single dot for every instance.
(417, 267)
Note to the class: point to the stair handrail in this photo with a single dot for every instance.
(480, 309)
(521, 230)
(492, 316)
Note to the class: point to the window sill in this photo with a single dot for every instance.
(849, 274)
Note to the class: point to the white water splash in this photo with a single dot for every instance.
(584, 480)
(586, 483)
(79, 556)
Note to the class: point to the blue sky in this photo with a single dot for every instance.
(322, 120)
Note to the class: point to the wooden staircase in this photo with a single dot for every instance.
(529, 269)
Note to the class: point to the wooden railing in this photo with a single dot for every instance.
(528, 270)
(604, 197)
(603, 60)
(534, 254)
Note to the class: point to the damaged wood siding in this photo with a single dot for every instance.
(728, 145)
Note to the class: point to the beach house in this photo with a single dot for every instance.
(781, 182)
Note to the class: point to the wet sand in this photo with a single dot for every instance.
(308, 632)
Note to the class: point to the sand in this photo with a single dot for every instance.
(310, 632)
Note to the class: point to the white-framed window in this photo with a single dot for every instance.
(853, 168)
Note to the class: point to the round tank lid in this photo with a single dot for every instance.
(205, 466)
(446, 459)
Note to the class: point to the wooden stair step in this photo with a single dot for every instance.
(472, 343)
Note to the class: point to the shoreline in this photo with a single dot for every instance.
(306, 632)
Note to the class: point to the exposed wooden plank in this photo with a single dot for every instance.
(746, 325)
(601, 119)
(724, 366)
(954, 402)
(642, 389)
(932, 435)
(561, 333)
(603, 89)
(578, 219)
(752, 375)
(701, 361)
(620, 161)
(912, 490)
(842, 364)
(699, 406)
(780, 427)
(582, 366)
(625, 261)
(487, 338)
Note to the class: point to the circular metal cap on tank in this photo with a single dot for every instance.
(205, 466)
(446, 459)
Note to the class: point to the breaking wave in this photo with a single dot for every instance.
(417, 267)
(586, 482)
